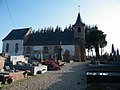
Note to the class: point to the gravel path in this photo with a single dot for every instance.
(70, 77)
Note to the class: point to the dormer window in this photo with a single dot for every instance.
(79, 29)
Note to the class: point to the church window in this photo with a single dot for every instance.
(28, 50)
(7, 47)
(79, 29)
(16, 48)
(56, 49)
(45, 50)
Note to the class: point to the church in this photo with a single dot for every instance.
(65, 45)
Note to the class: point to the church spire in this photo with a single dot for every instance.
(79, 20)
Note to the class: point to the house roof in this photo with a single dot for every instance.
(53, 38)
(16, 34)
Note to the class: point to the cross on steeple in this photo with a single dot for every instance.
(79, 20)
(78, 8)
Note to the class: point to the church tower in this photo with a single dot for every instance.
(79, 35)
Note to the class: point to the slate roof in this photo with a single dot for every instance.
(16, 34)
(53, 38)
(79, 20)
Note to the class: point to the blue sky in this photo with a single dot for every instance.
(45, 13)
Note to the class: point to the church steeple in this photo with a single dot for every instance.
(79, 35)
(79, 20)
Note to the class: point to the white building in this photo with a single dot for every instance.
(13, 42)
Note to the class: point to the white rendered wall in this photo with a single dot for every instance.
(68, 47)
(38, 48)
(12, 47)
(64, 47)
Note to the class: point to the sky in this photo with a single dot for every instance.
(44, 13)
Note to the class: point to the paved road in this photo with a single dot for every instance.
(70, 77)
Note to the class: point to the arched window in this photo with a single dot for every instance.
(66, 56)
(45, 50)
(79, 29)
(56, 49)
(7, 47)
(16, 48)
(28, 50)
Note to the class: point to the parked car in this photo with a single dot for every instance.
(51, 65)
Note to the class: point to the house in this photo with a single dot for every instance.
(60, 45)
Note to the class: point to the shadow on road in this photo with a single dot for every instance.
(72, 77)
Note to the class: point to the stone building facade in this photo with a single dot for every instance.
(68, 44)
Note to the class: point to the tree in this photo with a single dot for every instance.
(65, 29)
(113, 50)
(96, 38)
(88, 45)
(58, 29)
(103, 43)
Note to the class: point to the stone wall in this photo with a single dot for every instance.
(2, 60)
(17, 75)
